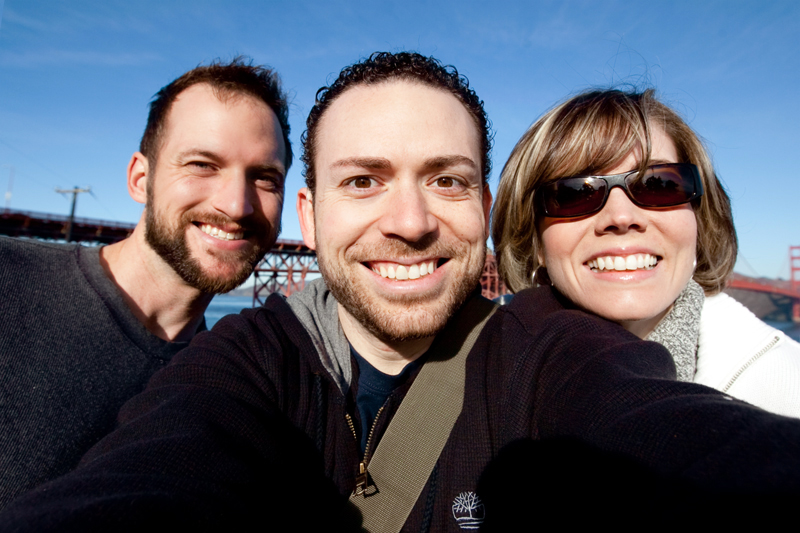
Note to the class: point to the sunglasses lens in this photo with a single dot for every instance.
(573, 197)
(663, 185)
(658, 186)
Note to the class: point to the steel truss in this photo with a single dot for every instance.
(283, 270)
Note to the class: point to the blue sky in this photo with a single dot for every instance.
(76, 77)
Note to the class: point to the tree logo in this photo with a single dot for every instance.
(468, 510)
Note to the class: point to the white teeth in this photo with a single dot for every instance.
(630, 262)
(219, 234)
(404, 272)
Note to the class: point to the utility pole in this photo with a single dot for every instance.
(10, 183)
(74, 192)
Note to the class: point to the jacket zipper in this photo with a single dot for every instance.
(362, 479)
(750, 361)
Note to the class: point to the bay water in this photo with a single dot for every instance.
(224, 304)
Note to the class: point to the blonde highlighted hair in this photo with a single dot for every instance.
(589, 134)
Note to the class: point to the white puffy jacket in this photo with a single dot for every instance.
(741, 355)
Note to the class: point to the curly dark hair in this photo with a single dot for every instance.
(385, 66)
(239, 76)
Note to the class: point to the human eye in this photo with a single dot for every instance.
(449, 185)
(270, 181)
(200, 167)
(361, 183)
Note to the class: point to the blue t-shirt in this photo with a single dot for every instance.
(374, 387)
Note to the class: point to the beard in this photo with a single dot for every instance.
(398, 318)
(169, 242)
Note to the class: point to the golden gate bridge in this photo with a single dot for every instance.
(285, 268)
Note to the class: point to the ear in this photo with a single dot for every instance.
(540, 256)
(305, 211)
(138, 172)
(487, 207)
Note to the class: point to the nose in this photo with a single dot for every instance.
(620, 215)
(233, 196)
(407, 214)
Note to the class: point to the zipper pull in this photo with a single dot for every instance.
(361, 479)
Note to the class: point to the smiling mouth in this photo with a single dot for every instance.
(401, 272)
(217, 233)
(619, 263)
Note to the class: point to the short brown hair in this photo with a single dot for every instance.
(401, 66)
(588, 134)
(237, 77)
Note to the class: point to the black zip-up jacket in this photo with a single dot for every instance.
(246, 429)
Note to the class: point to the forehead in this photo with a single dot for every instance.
(201, 112)
(397, 120)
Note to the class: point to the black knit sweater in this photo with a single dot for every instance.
(71, 354)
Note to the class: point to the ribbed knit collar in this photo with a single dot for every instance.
(679, 330)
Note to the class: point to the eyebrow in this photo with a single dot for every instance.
(195, 152)
(372, 163)
(381, 163)
(438, 163)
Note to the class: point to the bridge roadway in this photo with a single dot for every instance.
(48, 226)
(769, 299)
(285, 267)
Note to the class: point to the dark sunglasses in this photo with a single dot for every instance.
(658, 186)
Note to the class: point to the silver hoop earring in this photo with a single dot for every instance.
(540, 277)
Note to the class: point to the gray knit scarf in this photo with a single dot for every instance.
(679, 330)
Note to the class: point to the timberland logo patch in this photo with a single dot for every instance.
(468, 510)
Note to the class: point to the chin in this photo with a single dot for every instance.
(625, 313)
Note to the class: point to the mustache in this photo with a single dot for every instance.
(398, 249)
(217, 219)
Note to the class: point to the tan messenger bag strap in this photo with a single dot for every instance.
(410, 448)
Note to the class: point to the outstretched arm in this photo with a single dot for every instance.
(596, 382)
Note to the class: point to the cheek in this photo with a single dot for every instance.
(184, 194)
(270, 204)
(558, 243)
(682, 232)
(689, 248)
(468, 225)
(338, 225)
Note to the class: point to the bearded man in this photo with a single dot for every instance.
(85, 328)
(361, 403)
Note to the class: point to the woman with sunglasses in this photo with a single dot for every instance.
(612, 199)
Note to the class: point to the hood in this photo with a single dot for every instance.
(318, 311)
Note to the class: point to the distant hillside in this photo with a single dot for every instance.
(245, 290)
